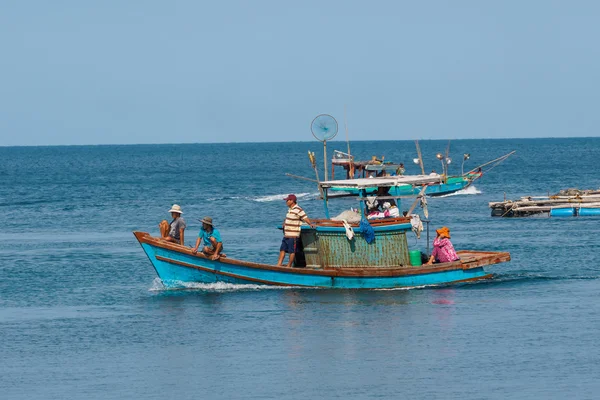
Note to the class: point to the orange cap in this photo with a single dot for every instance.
(444, 231)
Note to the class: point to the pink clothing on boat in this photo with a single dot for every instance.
(443, 251)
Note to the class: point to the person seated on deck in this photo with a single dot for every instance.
(443, 250)
(373, 208)
(213, 245)
(400, 170)
(390, 210)
(379, 207)
(375, 161)
(173, 232)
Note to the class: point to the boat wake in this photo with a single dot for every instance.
(470, 190)
(265, 199)
(524, 278)
(159, 286)
(222, 287)
(405, 288)
(279, 197)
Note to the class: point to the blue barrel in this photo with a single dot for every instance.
(562, 212)
(586, 212)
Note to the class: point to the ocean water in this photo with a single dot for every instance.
(83, 316)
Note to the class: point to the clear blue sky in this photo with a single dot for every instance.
(117, 72)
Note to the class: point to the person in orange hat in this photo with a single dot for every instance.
(443, 250)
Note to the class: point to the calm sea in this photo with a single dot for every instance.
(82, 315)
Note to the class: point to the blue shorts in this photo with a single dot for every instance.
(289, 245)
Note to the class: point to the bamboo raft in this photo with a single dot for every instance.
(566, 203)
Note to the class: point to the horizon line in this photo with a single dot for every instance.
(293, 141)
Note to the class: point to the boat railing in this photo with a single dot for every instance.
(372, 222)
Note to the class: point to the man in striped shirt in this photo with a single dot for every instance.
(291, 230)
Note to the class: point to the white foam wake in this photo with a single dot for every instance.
(158, 286)
(280, 197)
(470, 190)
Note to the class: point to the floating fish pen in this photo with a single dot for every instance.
(566, 203)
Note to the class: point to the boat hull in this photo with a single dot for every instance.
(175, 265)
(453, 185)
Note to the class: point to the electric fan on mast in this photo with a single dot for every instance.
(324, 127)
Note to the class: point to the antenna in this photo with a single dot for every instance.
(324, 127)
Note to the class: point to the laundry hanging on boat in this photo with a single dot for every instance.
(417, 225)
(371, 202)
(424, 206)
(349, 230)
(390, 210)
(367, 230)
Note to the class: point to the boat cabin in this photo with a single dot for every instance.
(329, 246)
(375, 167)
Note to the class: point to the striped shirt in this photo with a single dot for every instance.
(293, 220)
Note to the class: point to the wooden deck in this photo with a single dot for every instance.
(550, 205)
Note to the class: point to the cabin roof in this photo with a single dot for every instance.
(368, 165)
(386, 181)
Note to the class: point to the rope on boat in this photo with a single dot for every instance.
(495, 162)
(512, 207)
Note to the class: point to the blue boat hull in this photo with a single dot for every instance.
(175, 265)
(440, 189)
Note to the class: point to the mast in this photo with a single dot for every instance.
(350, 159)
(346, 127)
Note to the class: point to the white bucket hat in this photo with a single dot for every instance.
(176, 209)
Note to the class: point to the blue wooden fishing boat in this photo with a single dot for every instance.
(439, 187)
(332, 260)
(375, 167)
(444, 183)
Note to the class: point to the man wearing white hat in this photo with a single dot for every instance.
(173, 232)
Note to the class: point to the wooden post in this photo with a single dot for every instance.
(325, 202)
(325, 157)
(414, 204)
(347, 139)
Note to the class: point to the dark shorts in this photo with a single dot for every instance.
(212, 248)
(289, 245)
